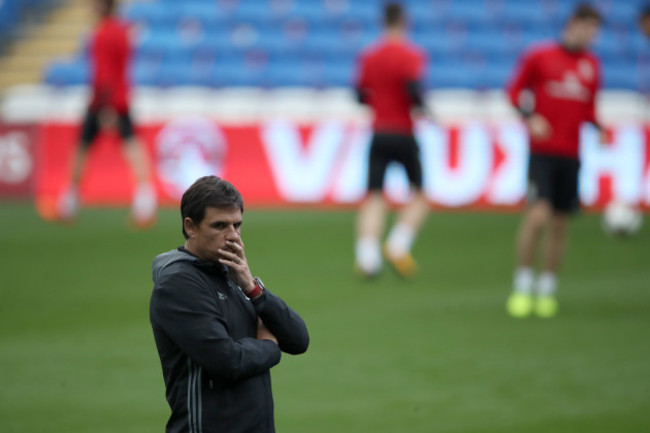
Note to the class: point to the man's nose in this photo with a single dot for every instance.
(232, 232)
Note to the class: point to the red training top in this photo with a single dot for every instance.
(564, 84)
(385, 71)
(110, 53)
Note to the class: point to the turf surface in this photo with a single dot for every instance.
(435, 355)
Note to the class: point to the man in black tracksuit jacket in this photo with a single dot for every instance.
(218, 330)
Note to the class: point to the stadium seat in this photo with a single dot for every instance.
(529, 14)
(9, 16)
(423, 16)
(144, 74)
(365, 11)
(619, 12)
(472, 13)
(67, 72)
(452, 75)
(11, 13)
(492, 42)
(206, 13)
(289, 74)
(239, 76)
(202, 74)
(310, 11)
(148, 14)
(155, 46)
(337, 75)
(496, 75)
(621, 76)
(325, 42)
(438, 43)
(255, 11)
(173, 74)
(558, 10)
(607, 43)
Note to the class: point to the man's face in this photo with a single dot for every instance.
(583, 32)
(219, 226)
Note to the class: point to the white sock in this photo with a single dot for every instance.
(523, 280)
(546, 284)
(368, 254)
(68, 205)
(144, 202)
(400, 239)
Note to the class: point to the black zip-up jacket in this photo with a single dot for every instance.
(216, 371)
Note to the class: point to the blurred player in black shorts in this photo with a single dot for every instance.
(564, 78)
(389, 82)
(109, 107)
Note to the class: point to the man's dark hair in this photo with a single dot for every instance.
(108, 6)
(208, 191)
(585, 11)
(393, 14)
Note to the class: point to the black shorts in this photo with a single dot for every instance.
(387, 148)
(90, 128)
(555, 179)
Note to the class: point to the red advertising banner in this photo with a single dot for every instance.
(17, 163)
(284, 163)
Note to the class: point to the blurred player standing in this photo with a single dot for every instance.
(389, 82)
(109, 106)
(564, 79)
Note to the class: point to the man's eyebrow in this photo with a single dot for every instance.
(219, 222)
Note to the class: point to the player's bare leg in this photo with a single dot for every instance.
(370, 226)
(402, 235)
(137, 158)
(68, 203)
(556, 243)
(546, 305)
(536, 218)
(78, 162)
(414, 213)
(144, 205)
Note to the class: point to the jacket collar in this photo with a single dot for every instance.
(205, 265)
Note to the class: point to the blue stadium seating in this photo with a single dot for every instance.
(149, 13)
(497, 75)
(141, 74)
(11, 12)
(472, 13)
(452, 74)
(67, 72)
(526, 13)
(8, 17)
(470, 43)
(621, 76)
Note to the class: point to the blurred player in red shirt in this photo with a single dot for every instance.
(389, 82)
(110, 54)
(564, 79)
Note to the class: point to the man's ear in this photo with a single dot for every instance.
(190, 227)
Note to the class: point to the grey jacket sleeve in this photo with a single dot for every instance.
(185, 308)
(284, 323)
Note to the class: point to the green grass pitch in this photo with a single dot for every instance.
(438, 354)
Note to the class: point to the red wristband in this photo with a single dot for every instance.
(257, 290)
